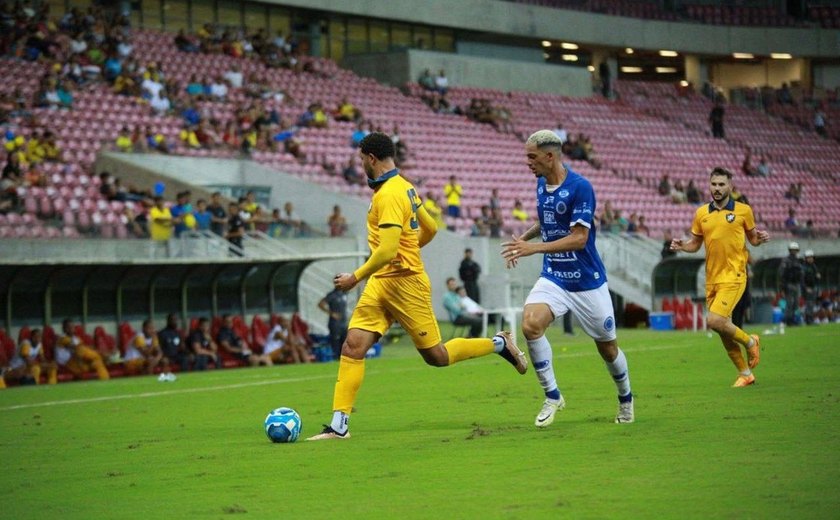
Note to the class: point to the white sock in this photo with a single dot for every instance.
(619, 373)
(746, 372)
(340, 422)
(540, 350)
(498, 344)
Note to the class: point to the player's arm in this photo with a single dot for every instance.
(323, 305)
(389, 242)
(687, 245)
(757, 237)
(532, 232)
(428, 227)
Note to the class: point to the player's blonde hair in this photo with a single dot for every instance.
(542, 138)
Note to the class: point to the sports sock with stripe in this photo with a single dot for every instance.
(540, 350)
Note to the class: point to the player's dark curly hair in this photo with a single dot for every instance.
(378, 144)
(722, 172)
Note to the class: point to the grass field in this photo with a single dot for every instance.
(445, 443)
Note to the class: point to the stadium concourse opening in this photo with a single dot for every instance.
(113, 292)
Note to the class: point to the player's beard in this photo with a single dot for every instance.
(719, 196)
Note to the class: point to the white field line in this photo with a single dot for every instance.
(275, 381)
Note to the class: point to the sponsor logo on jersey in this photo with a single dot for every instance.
(548, 216)
(563, 194)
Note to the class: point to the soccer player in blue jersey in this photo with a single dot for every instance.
(573, 278)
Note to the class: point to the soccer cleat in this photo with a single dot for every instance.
(625, 413)
(516, 357)
(328, 433)
(170, 377)
(743, 381)
(162, 377)
(549, 408)
(753, 354)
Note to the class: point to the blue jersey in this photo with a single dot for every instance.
(573, 203)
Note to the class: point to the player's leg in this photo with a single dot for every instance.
(94, 360)
(543, 305)
(369, 322)
(594, 309)
(721, 299)
(415, 313)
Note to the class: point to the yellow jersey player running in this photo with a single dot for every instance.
(722, 226)
(398, 288)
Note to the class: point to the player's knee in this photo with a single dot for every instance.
(532, 329)
(436, 356)
(716, 323)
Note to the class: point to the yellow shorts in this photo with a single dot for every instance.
(721, 298)
(405, 299)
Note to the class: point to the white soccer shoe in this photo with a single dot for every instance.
(549, 408)
(625, 413)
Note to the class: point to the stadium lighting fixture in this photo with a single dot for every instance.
(665, 70)
(570, 57)
(742, 55)
(683, 83)
(591, 68)
(629, 50)
(569, 46)
(631, 70)
(546, 43)
(545, 56)
(781, 56)
(669, 54)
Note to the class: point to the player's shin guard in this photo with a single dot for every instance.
(618, 370)
(540, 350)
(460, 349)
(351, 372)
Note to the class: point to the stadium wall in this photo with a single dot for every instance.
(400, 67)
(506, 18)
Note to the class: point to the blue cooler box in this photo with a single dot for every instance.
(662, 320)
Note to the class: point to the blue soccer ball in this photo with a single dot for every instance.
(283, 425)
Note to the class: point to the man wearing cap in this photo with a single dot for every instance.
(811, 279)
(791, 278)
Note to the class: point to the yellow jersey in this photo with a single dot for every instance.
(724, 236)
(160, 231)
(435, 212)
(395, 202)
(453, 192)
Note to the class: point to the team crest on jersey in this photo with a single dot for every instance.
(730, 217)
(609, 323)
(540, 190)
(560, 208)
(563, 194)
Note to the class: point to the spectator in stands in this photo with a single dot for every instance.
(218, 215)
(229, 341)
(427, 81)
(716, 120)
(185, 43)
(458, 314)
(294, 224)
(641, 228)
(763, 169)
(314, 117)
(667, 252)
(203, 346)
(708, 91)
(442, 83)
(400, 148)
(678, 195)
(236, 229)
(123, 142)
(337, 223)
(351, 172)
(75, 356)
(29, 361)
(692, 194)
(202, 215)
(561, 133)
(180, 212)
(495, 201)
(234, 77)
(363, 128)
(664, 185)
(794, 192)
(160, 103)
(819, 122)
(747, 167)
(479, 227)
(784, 96)
(218, 89)
(160, 221)
(495, 223)
(434, 210)
(144, 352)
(606, 79)
(632, 224)
(792, 225)
(195, 88)
(453, 192)
(346, 111)
(335, 305)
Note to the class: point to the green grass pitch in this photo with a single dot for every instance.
(457, 442)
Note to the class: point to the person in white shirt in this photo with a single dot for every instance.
(234, 77)
(442, 82)
(219, 89)
(561, 133)
(470, 305)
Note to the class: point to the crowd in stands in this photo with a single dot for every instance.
(44, 356)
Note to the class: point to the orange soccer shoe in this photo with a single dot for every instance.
(743, 381)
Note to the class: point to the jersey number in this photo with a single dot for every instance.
(412, 197)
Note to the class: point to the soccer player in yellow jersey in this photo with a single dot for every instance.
(722, 226)
(77, 357)
(29, 360)
(398, 288)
